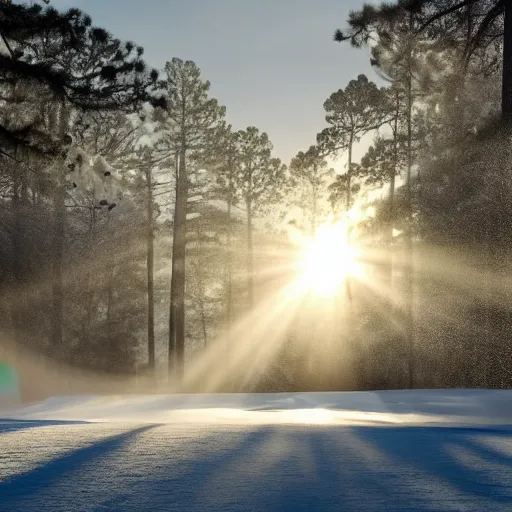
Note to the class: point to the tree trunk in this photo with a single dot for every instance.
(203, 324)
(349, 171)
(250, 256)
(229, 271)
(507, 64)
(18, 259)
(392, 177)
(172, 298)
(110, 299)
(59, 210)
(150, 271)
(177, 313)
(18, 289)
(90, 283)
(57, 317)
(348, 288)
(392, 181)
(315, 200)
(408, 263)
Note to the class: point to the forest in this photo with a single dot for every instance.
(142, 235)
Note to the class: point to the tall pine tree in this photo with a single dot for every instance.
(191, 122)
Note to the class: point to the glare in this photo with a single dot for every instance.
(355, 214)
(328, 259)
(311, 416)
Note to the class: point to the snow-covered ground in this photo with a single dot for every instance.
(387, 451)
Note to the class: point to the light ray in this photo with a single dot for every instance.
(329, 259)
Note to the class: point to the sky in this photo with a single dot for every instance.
(272, 63)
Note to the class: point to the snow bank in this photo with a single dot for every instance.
(434, 407)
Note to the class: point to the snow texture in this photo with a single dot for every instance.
(388, 451)
(93, 176)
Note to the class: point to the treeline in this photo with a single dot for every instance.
(107, 165)
(433, 308)
(444, 220)
(139, 228)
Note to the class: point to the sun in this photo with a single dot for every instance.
(328, 259)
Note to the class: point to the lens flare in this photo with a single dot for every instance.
(328, 259)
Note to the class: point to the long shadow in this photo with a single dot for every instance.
(170, 491)
(429, 449)
(32, 482)
(317, 469)
(8, 425)
(340, 478)
(336, 481)
(249, 476)
(174, 484)
(468, 441)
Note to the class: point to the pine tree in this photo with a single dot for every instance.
(190, 126)
(121, 140)
(351, 113)
(309, 174)
(258, 182)
(471, 25)
(145, 164)
(226, 179)
(61, 63)
(67, 61)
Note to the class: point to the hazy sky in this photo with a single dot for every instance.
(272, 63)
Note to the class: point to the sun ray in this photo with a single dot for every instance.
(329, 259)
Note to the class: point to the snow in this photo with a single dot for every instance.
(92, 175)
(438, 407)
(384, 451)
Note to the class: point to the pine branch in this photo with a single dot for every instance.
(498, 9)
(441, 14)
(8, 46)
